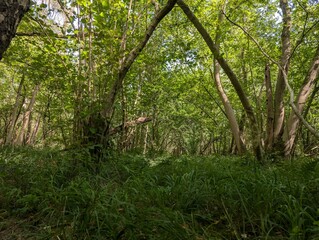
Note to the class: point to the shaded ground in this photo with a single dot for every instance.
(47, 194)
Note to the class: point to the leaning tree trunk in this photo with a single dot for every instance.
(11, 13)
(304, 92)
(256, 138)
(102, 121)
(222, 94)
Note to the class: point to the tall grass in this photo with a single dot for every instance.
(51, 194)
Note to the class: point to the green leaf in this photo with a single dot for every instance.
(43, 5)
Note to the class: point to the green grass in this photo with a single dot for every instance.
(51, 194)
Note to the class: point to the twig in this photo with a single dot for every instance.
(252, 38)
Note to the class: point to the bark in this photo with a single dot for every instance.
(270, 110)
(229, 111)
(33, 135)
(145, 140)
(123, 139)
(295, 109)
(304, 92)
(279, 108)
(133, 55)
(156, 5)
(26, 118)
(231, 75)
(102, 122)
(78, 123)
(91, 85)
(46, 120)
(209, 143)
(223, 96)
(15, 113)
(126, 125)
(306, 134)
(11, 13)
(108, 110)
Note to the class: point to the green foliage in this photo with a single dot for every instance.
(57, 194)
(73, 50)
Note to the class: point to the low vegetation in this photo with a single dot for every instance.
(51, 194)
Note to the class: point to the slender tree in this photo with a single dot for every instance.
(237, 135)
(231, 75)
(304, 92)
(279, 106)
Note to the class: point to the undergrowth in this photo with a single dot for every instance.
(51, 194)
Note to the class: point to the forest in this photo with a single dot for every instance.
(159, 119)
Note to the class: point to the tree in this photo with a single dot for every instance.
(103, 120)
(231, 75)
(276, 114)
(114, 74)
(11, 13)
(237, 135)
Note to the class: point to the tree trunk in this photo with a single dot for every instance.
(256, 138)
(270, 110)
(222, 94)
(306, 134)
(122, 145)
(106, 114)
(11, 13)
(15, 114)
(304, 92)
(78, 126)
(31, 138)
(279, 108)
(108, 110)
(26, 118)
(145, 140)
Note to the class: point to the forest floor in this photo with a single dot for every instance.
(52, 194)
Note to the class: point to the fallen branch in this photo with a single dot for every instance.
(140, 120)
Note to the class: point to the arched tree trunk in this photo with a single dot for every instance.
(255, 131)
(101, 123)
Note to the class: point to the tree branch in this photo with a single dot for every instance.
(140, 120)
(291, 93)
(252, 38)
(295, 109)
(107, 113)
(231, 75)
